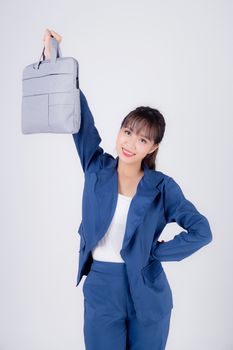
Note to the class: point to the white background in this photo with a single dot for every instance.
(172, 55)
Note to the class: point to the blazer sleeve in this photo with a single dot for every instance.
(87, 139)
(181, 210)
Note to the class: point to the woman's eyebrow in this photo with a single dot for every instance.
(145, 137)
(130, 128)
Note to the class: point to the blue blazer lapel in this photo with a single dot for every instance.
(106, 192)
(148, 189)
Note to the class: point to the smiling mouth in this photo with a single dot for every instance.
(127, 153)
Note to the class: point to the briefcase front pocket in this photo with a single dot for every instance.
(51, 112)
(62, 111)
(35, 113)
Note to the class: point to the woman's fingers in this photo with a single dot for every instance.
(47, 33)
(57, 36)
(47, 41)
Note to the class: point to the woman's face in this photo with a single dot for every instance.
(138, 145)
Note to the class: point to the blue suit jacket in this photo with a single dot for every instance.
(158, 201)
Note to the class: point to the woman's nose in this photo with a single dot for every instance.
(130, 147)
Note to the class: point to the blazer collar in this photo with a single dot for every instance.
(149, 187)
(150, 180)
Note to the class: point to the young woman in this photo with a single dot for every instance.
(125, 206)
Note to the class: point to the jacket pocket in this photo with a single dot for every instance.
(156, 295)
(152, 271)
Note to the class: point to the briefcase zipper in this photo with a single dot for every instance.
(46, 75)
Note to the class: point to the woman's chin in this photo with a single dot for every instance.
(127, 160)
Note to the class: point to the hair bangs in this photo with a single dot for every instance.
(141, 126)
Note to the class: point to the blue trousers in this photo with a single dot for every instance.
(110, 321)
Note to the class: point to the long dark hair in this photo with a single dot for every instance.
(153, 122)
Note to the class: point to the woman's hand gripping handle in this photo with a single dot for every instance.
(47, 41)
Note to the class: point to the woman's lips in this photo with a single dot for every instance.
(127, 153)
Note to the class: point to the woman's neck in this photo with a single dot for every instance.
(129, 170)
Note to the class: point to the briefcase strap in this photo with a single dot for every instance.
(55, 52)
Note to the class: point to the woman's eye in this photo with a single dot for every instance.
(127, 131)
(143, 140)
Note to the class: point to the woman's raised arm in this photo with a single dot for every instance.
(87, 139)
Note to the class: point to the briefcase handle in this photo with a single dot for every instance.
(55, 53)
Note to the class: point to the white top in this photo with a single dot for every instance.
(108, 248)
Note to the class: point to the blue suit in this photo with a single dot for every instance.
(158, 201)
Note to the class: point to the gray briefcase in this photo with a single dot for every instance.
(51, 95)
